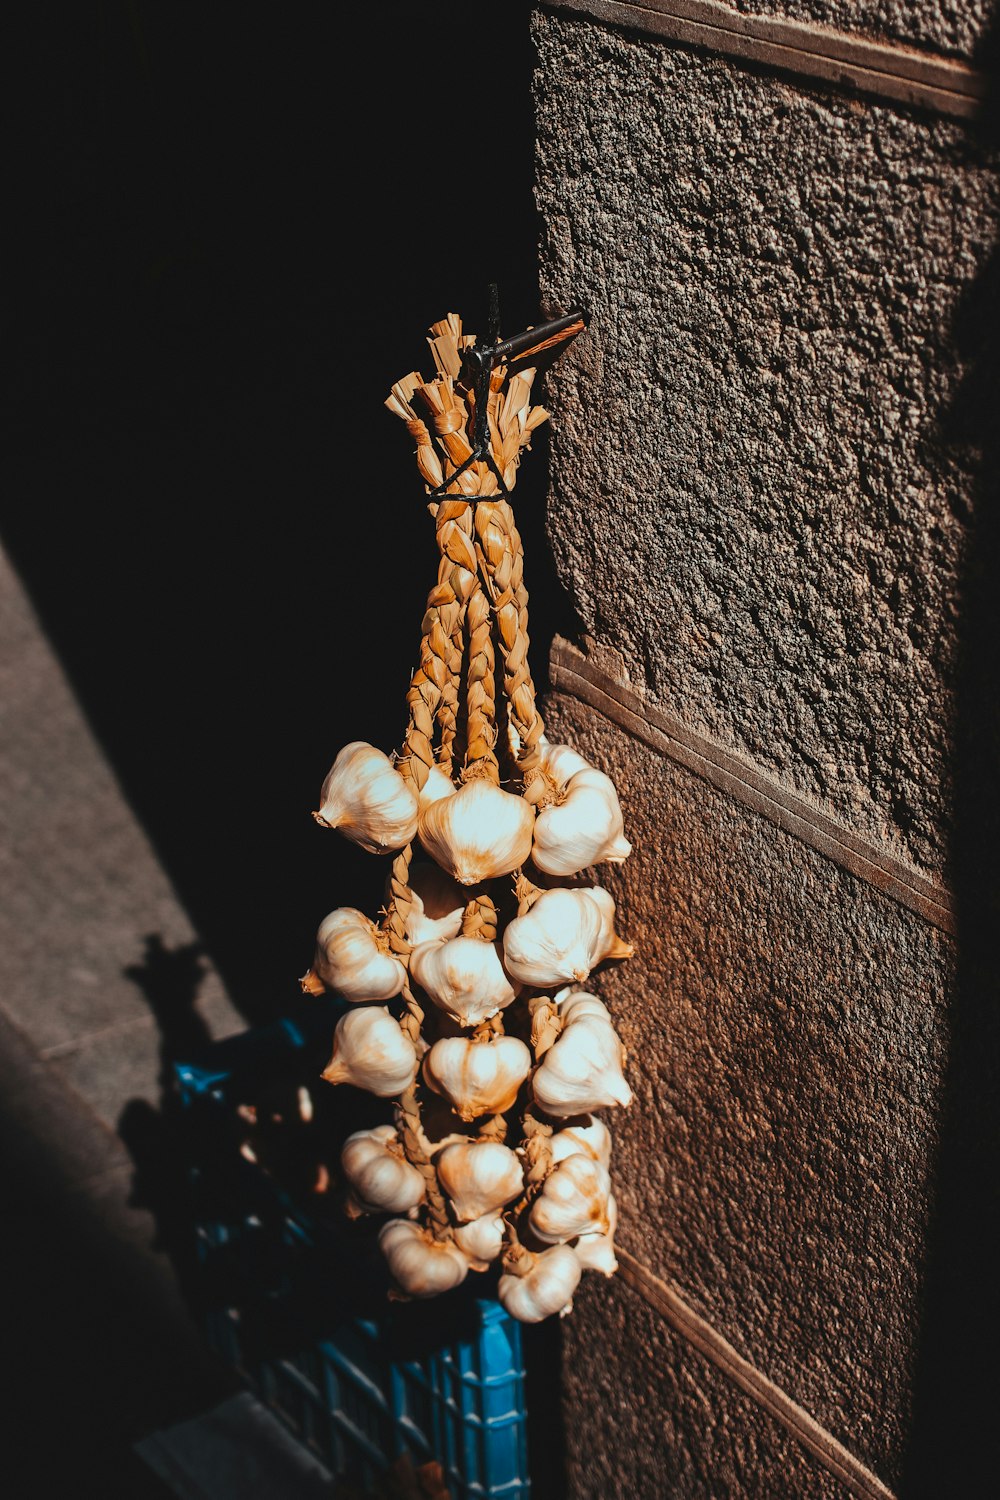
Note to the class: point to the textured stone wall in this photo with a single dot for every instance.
(761, 508)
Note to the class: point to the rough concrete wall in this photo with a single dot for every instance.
(785, 1026)
(754, 412)
(762, 515)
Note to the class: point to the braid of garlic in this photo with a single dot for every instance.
(501, 563)
(481, 730)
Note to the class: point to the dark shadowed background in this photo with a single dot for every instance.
(226, 233)
(232, 231)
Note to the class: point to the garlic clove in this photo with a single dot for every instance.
(573, 1200)
(438, 905)
(383, 1181)
(612, 945)
(481, 1240)
(479, 1178)
(477, 1077)
(368, 800)
(420, 1265)
(438, 784)
(583, 827)
(371, 1051)
(546, 1288)
(352, 957)
(582, 1070)
(596, 1252)
(574, 1004)
(479, 833)
(561, 762)
(465, 977)
(590, 1135)
(562, 937)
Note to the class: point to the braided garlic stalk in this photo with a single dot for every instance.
(468, 1006)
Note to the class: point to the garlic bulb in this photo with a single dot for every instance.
(419, 1264)
(438, 784)
(546, 1288)
(465, 977)
(479, 1178)
(352, 957)
(596, 1252)
(584, 826)
(573, 1200)
(479, 1078)
(563, 936)
(375, 1166)
(582, 1070)
(438, 905)
(481, 1240)
(593, 1138)
(368, 800)
(480, 832)
(371, 1051)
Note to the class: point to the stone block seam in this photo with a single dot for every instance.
(835, 1458)
(572, 673)
(881, 70)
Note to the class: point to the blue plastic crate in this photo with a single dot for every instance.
(296, 1300)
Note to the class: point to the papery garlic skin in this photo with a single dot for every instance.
(478, 1078)
(420, 1265)
(612, 945)
(367, 799)
(371, 1051)
(479, 833)
(584, 826)
(573, 1200)
(351, 957)
(382, 1179)
(465, 977)
(596, 1252)
(591, 1137)
(582, 1070)
(479, 1178)
(437, 907)
(562, 937)
(547, 1287)
(481, 1240)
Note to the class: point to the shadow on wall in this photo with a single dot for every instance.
(953, 1443)
(225, 257)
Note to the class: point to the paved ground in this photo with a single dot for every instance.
(100, 979)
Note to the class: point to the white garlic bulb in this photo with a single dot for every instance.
(480, 832)
(481, 1240)
(596, 1252)
(479, 1078)
(371, 1051)
(479, 1178)
(563, 936)
(438, 905)
(352, 957)
(591, 1136)
(368, 800)
(438, 784)
(419, 1264)
(465, 977)
(584, 826)
(582, 1070)
(382, 1179)
(546, 1288)
(573, 1200)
